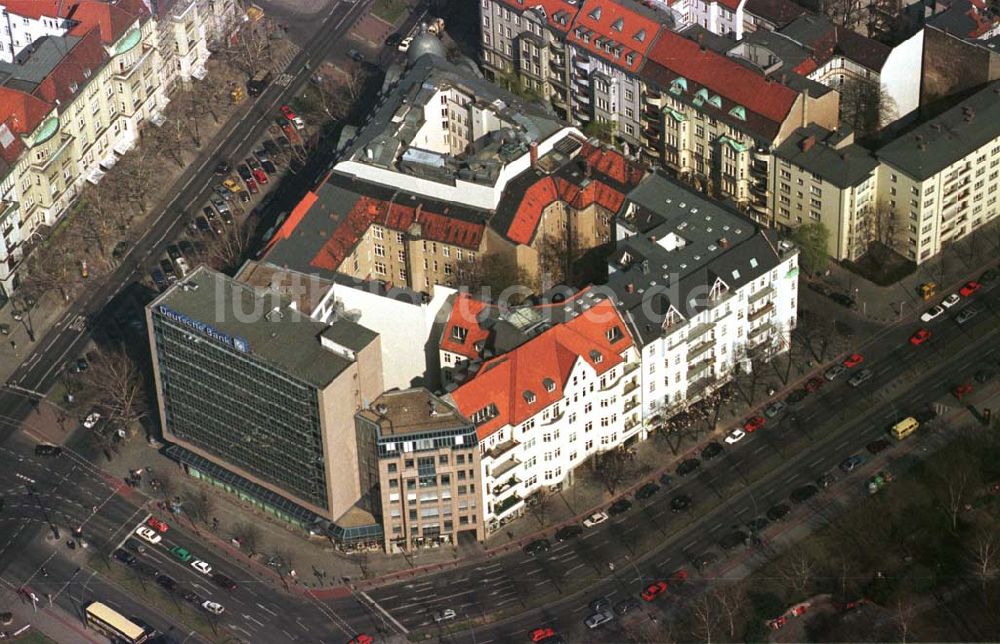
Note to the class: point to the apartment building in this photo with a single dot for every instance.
(421, 460)
(70, 104)
(258, 399)
(544, 408)
(940, 179)
(819, 176)
(769, 15)
(183, 35)
(714, 121)
(22, 22)
(702, 288)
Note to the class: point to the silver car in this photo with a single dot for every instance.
(860, 378)
(599, 619)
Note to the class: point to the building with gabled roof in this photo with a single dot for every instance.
(548, 405)
(701, 288)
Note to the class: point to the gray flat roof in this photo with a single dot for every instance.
(845, 167)
(398, 413)
(287, 340)
(933, 145)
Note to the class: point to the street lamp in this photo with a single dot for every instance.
(29, 485)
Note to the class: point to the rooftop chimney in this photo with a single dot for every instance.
(723, 242)
(533, 152)
(630, 288)
(419, 210)
(701, 41)
(807, 143)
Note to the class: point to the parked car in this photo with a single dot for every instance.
(224, 582)
(599, 619)
(91, 420)
(222, 168)
(252, 186)
(287, 111)
(735, 436)
(779, 512)
(568, 532)
(626, 606)
(813, 384)
(711, 450)
(268, 166)
(168, 269)
(653, 590)
(260, 175)
(174, 252)
(244, 172)
(444, 615)
(969, 288)
(733, 539)
(932, 313)
(157, 525)
(159, 279)
(705, 560)
(796, 396)
(647, 490)
(774, 409)
(181, 554)
(201, 566)
(47, 449)
(537, 546)
(680, 503)
(851, 463)
(752, 424)
(148, 534)
(966, 315)
(853, 360)
(213, 607)
(619, 506)
(860, 377)
(878, 445)
(951, 300)
(393, 39)
(596, 518)
(834, 372)
(688, 466)
(124, 556)
(919, 337)
(804, 493)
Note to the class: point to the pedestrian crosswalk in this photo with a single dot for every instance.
(283, 80)
(78, 323)
(281, 61)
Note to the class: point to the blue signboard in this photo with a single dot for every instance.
(235, 342)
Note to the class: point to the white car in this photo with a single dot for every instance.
(148, 534)
(931, 313)
(183, 268)
(201, 566)
(596, 518)
(444, 615)
(735, 436)
(299, 123)
(213, 607)
(950, 301)
(91, 420)
(405, 43)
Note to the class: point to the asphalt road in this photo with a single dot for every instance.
(73, 493)
(651, 542)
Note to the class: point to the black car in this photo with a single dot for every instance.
(758, 524)
(203, 225)
(47, 450)
(393, 39)
(850, 463)
(356, 56)
(666, 479)
(167, 582)
(568, 532)
(878, 445)
(187, 248)
(804, 493)
(688, 466)
(190, 596)
(711, 450)
(779, 512)
(81, 365)
(244, 172)
(168, 270)
(223, 581)
(733, 539)
(261, 154)
(268, 166)
(826, 480)
(983, 376)
(537, 546)
(120, 249)
(227, 218)
(647, 490)
(124, 556)
(988, 276)
(620, 506)
(159, 279)
(271, 147)
(135, 546)
(146, 569)
(843, 300)
(599, 604)
(796, 396)
(627, 606)
(222, 168)
(680, 503)
(174, 252)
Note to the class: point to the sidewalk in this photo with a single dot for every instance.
(53, 623)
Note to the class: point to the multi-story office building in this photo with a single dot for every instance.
(702, 288)
(940, 180)
(420, 460)
(551, 403)
(259, 399)
(824, 177)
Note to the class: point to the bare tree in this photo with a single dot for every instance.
(540, 503)
(706, 617)
(200, 505)
(864, 105)
(903, 616)
(881, 230)
(118, 381)
(227, 252)
(135, 173)
(732, 600)
(984, 556)
(49, 267)
(249, 537)
(99, 220)
(249, 48)
(611, 467)
(798, 571)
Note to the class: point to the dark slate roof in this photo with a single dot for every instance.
(289, 342)
(649, 279)
(705, 37)
(935, 144)
(777, 12)
(844, 167)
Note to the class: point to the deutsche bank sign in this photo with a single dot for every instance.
(235, 342)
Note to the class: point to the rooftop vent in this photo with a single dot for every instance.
(723, 242)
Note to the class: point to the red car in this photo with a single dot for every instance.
(813, 384)
(252, 186)
(961, 390)
(540, 634)
(260, 176)
(969, 288)
(654, 589)
(157, 525)
(920, 336)
(362, 638)
(853, 360)
(679, 577)
(287, 112)
(753, 423)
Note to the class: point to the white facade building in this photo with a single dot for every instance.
(22, 23)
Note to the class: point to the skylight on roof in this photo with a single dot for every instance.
(736, 274)
(753, 262)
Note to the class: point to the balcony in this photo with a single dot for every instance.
(505, 467)
(502, 449)
(508, 504)
(557, 45)
(761, 332)
(125, 71)
(761, 312)
(698, 331)
(697, 388)
(700, 349)
(652, 100)
(507, 485)
(761, 294)
(631, 386)
(631, 423)
(763, 157)
(651, 113)
(630, 404)
(651, 152)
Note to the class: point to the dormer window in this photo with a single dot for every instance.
(596, 356)
(595, 14)
(529, 396)
(640, 35)
(549, 384)
(630, 58)
(614, 334)
(618, 25)
(459, 333)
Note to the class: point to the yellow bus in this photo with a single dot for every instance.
(113, 625)
(905, 427)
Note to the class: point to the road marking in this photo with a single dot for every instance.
(252, 619)
(266, 609)
(384, 612)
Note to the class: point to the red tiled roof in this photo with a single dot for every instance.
(551, 8)
(85, 58)
(723, 76)
(367, 211)
(612, 164)
(293, 220)
(113, 20)
(22, 114)
(806, 67)
(732, 5)
(552, 355)
(536, 199)
(464, 314)
(36, 8)
(616, 23)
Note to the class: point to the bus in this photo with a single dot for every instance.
(113, 625)
(905, 427)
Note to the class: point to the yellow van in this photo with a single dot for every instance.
(905, 427)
